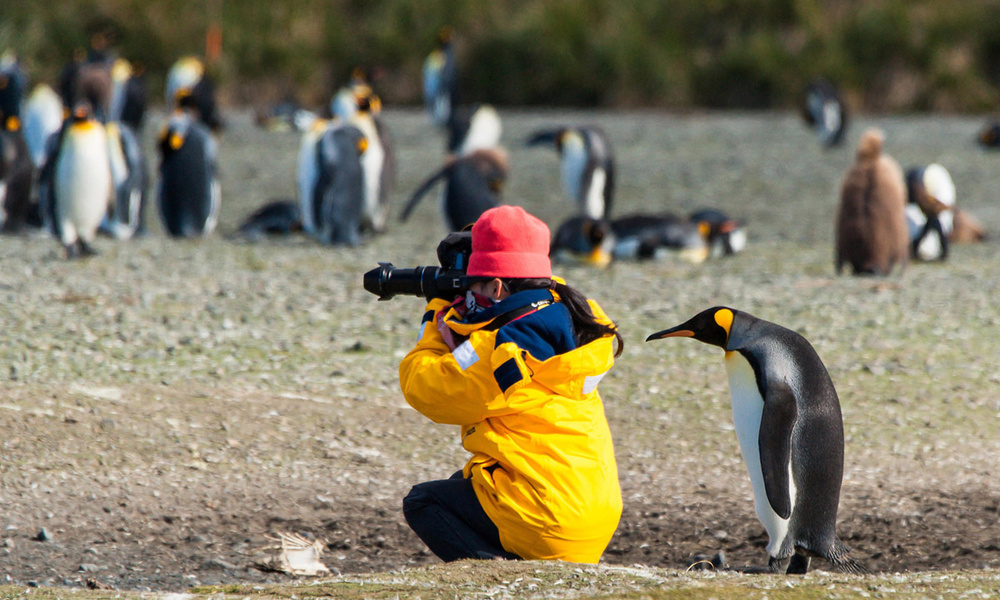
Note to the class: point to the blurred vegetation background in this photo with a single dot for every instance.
(886, 55)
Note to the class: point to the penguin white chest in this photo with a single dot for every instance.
(574, 162)
(748, 407)
(82, 182)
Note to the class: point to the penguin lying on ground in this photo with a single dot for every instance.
(80, 184)
(825, 112)
(188, 192)
(790, 432)
(871, 225)
(472, 186)
(278, 217)
(705, 233)
(588, 168)
(440, 76)
(989, 137)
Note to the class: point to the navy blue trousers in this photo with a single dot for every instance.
(447, 516)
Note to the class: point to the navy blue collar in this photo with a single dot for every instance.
(511, 303)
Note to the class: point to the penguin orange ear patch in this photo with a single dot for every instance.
(362, 145)
(176, 141)
(724, 317)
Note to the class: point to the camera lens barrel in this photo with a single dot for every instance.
(386, 281)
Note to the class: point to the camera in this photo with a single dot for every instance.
(446, 281)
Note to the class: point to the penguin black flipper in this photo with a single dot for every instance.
(775, 443)
(423, 189)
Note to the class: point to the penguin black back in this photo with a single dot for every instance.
(188, 189)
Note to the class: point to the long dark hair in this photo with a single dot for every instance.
(585, 325)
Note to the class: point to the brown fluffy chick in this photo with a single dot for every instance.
(871, 232)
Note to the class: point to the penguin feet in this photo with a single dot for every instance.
(796, 564)
(708, 562)
(87, 250)
(79, 249)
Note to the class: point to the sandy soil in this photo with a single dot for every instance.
(169, 407)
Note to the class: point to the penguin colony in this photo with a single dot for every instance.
(90, 176)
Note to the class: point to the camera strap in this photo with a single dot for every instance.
(515, 314)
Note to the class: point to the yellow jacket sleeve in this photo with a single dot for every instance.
(436, 381)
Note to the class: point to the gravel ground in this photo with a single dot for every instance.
(169, 406)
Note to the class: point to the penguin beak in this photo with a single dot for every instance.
(672, 332)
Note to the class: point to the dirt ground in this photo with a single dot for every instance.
(169, 407)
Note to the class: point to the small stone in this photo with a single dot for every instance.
(89, 568)
(44, 535)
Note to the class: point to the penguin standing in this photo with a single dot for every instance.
(188, 191)
(188, 78)
(440, 74)
(825, 112)
(81, 181)
(930, 211)
(128, 94)
(129, 178)
(588, 167)
(473, 127)
(790, 432)
(16, 166)
(307, 175)
(340, 194)
(43, 117)
(376, 162)
(473, 184)
(871, 231)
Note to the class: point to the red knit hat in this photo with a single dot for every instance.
(509, 243)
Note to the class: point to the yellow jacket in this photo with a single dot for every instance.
(543, 464)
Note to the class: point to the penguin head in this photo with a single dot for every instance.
(710, 326)
(82, 111)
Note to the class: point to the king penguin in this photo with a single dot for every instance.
(825, 112)
(473, 184)
(930, 211)
(82, 185)
(790, 432)
(188, 191)
(588, 166)
(440, 75)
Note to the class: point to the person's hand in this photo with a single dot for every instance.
(450, 338)
(446, 333)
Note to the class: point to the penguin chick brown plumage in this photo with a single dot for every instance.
(790, 432)
(872, 235)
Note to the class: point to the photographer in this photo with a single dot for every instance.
(515, 363)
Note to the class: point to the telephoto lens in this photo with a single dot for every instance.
(386, 281)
